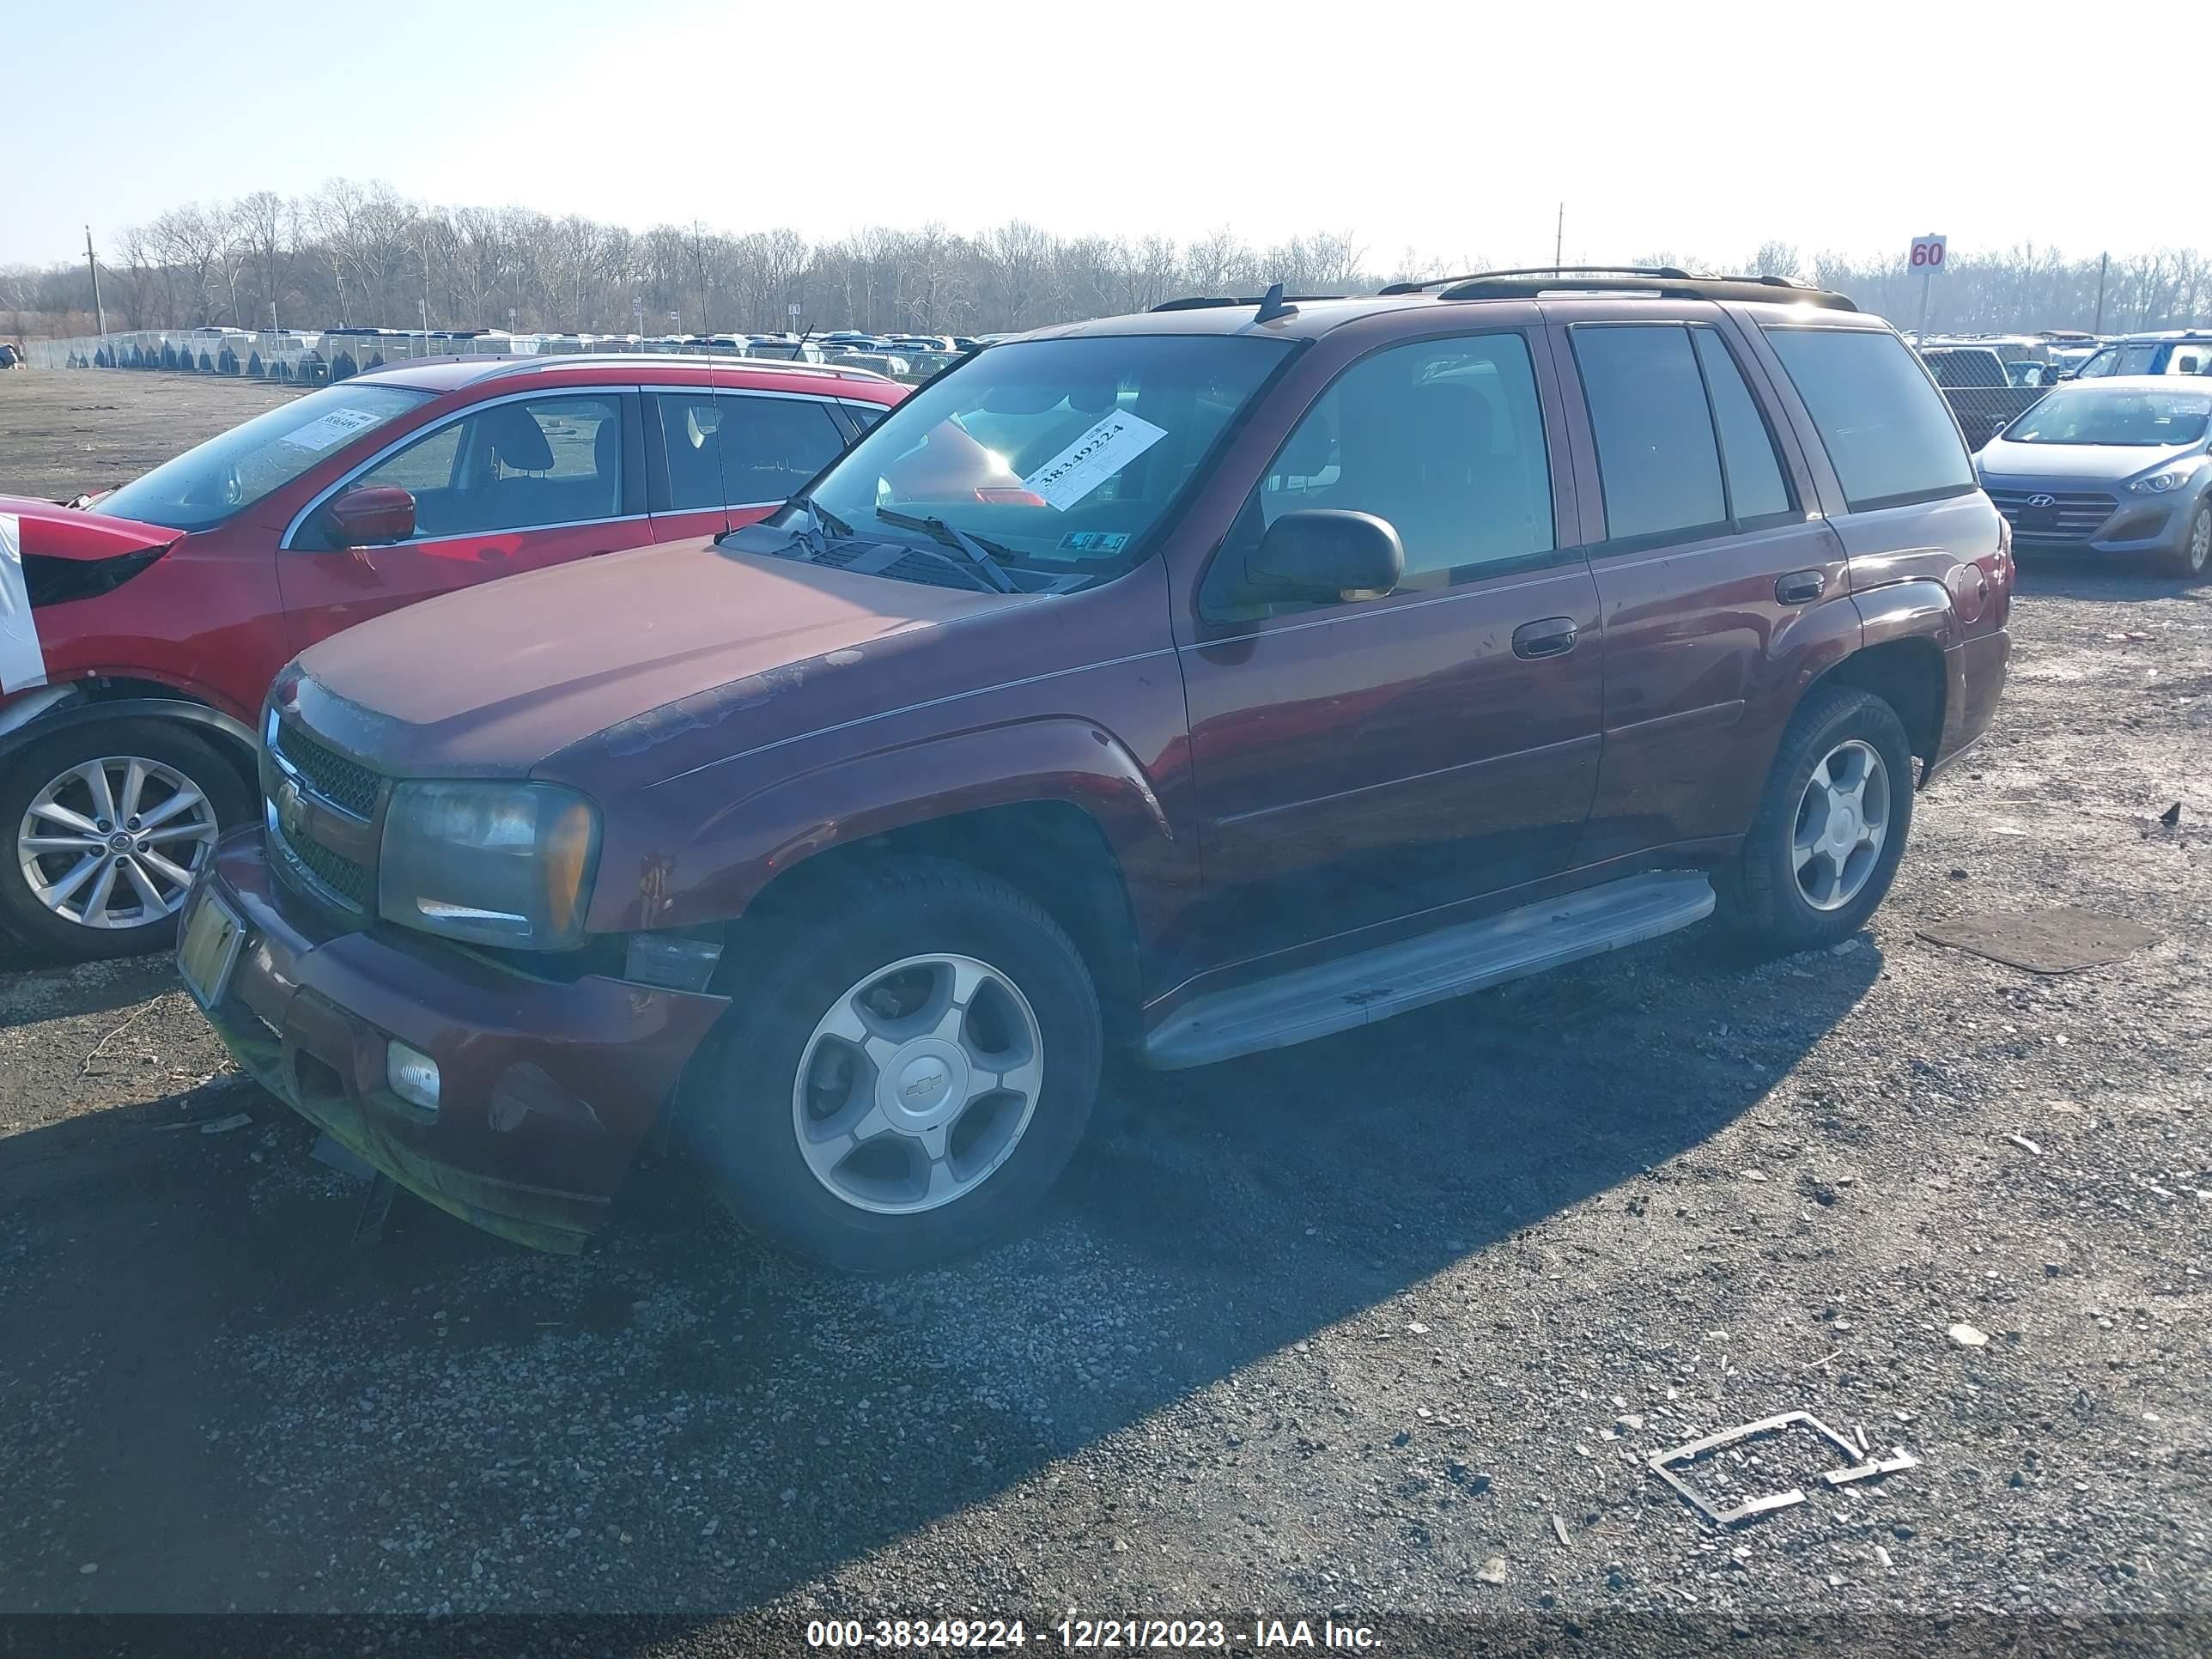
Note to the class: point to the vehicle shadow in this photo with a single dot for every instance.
(691, 1424)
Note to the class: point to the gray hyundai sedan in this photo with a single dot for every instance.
(2112, 467)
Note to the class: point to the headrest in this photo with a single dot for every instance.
(517, 440)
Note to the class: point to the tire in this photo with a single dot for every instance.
(1767, 896)
(888, 1205)
(123, 926)
(2194, 555)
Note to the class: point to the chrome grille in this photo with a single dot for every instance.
(321, 873)
(342, 876)
(2055, 516)
(343, 782)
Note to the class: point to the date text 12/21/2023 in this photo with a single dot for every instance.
(1076, 1635)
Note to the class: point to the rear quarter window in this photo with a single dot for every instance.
(1887, 430)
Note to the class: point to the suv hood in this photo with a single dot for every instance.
(490, 681)
(54, 531)
(2001, 462)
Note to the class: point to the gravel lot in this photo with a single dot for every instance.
(1382, 1326)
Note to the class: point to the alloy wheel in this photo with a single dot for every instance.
(115, 843)
(1843, 819)
(917, 1083)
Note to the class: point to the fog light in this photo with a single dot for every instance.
(673, 961)
(413, 1075)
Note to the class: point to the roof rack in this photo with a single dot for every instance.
(1204, 302)
(523, 364)
(1532, 281)
(1541, 270)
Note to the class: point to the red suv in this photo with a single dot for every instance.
(1185, 684)
(162, 613)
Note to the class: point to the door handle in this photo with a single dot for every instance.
(1801, 586)
(1553, 636)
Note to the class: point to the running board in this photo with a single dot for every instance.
(1359, 990)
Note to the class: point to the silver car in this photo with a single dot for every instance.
(2116, 466)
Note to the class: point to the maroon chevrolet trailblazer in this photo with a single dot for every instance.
(1183, 684)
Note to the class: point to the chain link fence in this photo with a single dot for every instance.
(1984, 410)
(317, 357)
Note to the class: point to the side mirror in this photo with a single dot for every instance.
(2067, 374)
(1326, 554)
(370, 516)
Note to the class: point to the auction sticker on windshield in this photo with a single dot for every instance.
(334, 427)
(1092, 459)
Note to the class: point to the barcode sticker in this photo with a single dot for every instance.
(1092, 459)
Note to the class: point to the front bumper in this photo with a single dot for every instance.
(546, 1088)
(2137, 526)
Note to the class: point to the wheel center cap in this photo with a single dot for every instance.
(120, 842)
(925, 1084)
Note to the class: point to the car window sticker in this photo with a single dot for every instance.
(334, 427)
(1092, 459)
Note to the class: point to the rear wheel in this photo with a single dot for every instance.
(2194, 555)
(909, 1069)
(109, 824)
(1831, 826)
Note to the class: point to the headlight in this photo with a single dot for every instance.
(2159, 483)
(493, 863)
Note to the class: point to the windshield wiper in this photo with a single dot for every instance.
(978, 553)
(822, 515)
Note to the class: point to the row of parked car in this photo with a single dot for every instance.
(837, 776)
(319, 357)
(2030, 361)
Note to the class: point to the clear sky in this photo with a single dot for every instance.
(1451, 129)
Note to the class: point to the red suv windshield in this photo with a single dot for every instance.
(210, 482)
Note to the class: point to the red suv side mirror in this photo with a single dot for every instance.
(370, 516)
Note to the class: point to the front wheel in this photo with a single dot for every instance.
(1831, 826)
(110, 823)
(909, 1067)
(2194, 555)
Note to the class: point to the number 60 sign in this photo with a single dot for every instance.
(1927, 253)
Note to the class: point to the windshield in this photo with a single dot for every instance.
(2098, 415)
(1056, 457)
(205, 485)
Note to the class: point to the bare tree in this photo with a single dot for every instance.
(354, 253)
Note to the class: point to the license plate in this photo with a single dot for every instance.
(2038, 518)
(208, 948)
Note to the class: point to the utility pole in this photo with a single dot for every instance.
(99, 312)
(2103, 260)
(1558, 236)
(426, 291)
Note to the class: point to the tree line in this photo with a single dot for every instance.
(362, 254)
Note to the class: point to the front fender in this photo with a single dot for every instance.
(740, 845)
(239, 737)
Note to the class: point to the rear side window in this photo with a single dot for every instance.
(1656, 456)
(730, 449)
(1887, 430)
(1758, 495)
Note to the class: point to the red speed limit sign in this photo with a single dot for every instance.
(1928, 252)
